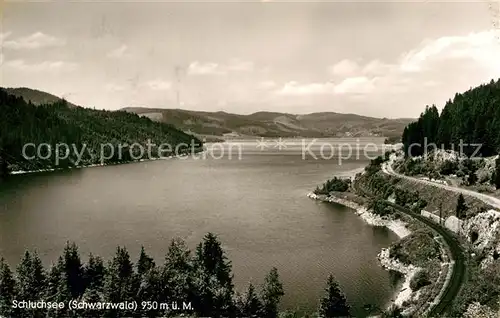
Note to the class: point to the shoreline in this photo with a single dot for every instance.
(94, 165)
(397, 227)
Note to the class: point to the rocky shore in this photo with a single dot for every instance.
(405, 294)
(396, 226)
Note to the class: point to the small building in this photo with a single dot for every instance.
(453, 224)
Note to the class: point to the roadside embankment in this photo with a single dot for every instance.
(478, 228)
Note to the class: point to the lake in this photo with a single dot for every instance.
(256, 203)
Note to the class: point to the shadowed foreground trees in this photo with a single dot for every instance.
(202, 279)
(334, 303)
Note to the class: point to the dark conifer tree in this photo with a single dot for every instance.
(31, 282)
(334, 303)
(145, 262)
(461, 207)
(57, 288)
(94, 273)
(272, 292)
(178, 273)
(146, 283)
(214, 280)
(73, 270)
(252, 306)
(471, 118)
(7, 289)
(119, 281)
(496, 175)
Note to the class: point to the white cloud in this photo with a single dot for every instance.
(4, 35)
(240, 65)
(158, 85)
(209, 68)
(295, 89)
(376, 67)
(46, 66)
(120, 52)
(355, 85)
(350, 85)
(35, 41)
(483, 47)
(442, 63)
(344, 68)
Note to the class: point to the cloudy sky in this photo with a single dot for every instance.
(385, 59)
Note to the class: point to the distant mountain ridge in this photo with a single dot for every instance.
(275, 124)
(223, 125)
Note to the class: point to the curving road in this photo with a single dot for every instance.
(457, 255)
(494, 202)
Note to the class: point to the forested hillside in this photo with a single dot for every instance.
(35, 96)
(472, 117)
(92, 136)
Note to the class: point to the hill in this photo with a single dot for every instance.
(472, 117)
(274, 124)
(92, 136)
(214, 126)
(35, 96)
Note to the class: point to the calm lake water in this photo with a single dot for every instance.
(257, 205)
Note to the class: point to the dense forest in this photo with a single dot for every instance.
(92, 136)
(472, 117)
(198, 284)
(335, 184)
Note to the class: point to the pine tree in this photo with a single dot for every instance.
(252, 306)
(7, 289)
(73, 270)
(145, 262)
(119, 281)
(31, 281)
(214, 280)
(178, 273)
(272, 292)
(461, 207)
(334, 303)
(150, 290)
(57, 287)
(145, 282)
(31, 277)
(94, 273)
